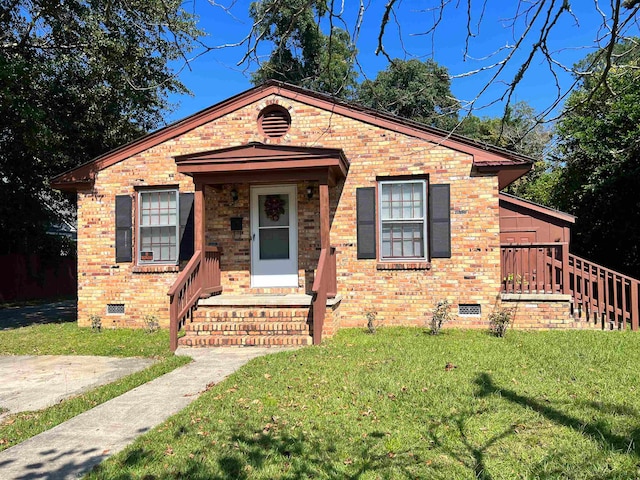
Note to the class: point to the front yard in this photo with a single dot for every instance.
(404, 404)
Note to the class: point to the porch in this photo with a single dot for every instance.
(599, 296)
(266, 210)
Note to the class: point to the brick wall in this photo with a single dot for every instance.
(403, 296)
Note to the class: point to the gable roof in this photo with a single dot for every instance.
(508, 165)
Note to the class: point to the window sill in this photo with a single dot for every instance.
(156, 269)
(403, 266)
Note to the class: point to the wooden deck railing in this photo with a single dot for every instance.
(604, 296)
(201, 277)
(599, 294)
(534, 268)
(325, 285)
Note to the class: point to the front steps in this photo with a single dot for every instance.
(250, 320)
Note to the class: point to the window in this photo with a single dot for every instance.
(403, 219)
(158, 223)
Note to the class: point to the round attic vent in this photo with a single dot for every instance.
(274, 121)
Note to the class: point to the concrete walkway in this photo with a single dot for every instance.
(74, 447)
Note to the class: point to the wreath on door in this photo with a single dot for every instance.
(274, 207)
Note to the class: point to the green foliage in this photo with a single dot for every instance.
(519, 131)
(419, 91)
(529, 406)
(76, 80)
(441, 314)
(499, 321)
(600, 179)
(302, 54)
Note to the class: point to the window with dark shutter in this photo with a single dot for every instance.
(440, 221)
(366, 222)
(186, 226)
(123, 228)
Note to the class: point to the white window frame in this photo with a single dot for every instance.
(140, 227)
(423, 219)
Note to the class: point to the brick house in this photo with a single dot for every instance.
(295, 214)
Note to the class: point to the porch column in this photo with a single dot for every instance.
(324, 216)
(199, 220)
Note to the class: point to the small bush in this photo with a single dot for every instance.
(371, 315)
(499, 322)
(151, 324)
(96, 322)
(441, 315)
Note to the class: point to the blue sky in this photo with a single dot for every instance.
(216, 76)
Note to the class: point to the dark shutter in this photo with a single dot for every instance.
(440, 221)
(187, 230)
(123, 228)
(366, 222)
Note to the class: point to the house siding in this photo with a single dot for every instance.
(404, 296)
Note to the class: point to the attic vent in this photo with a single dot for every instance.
(469, 310)
(115, 308)
(274, 121)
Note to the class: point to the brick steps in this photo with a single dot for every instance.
(243, 325)
(244, 341)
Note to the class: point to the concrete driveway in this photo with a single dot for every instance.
(54, 312)
(35, 382)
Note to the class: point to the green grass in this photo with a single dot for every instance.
(533, 405)
(68, 339)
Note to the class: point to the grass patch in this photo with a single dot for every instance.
(68, 339)
(532, 405)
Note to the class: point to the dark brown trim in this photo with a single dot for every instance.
(482, 154)
(269, 176)
(401, 178)
(141, 188)
(527, 205)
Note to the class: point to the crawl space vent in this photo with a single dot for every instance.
(115, 308)
(274, 121)
(469, 310)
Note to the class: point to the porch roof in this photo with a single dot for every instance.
(256, 161)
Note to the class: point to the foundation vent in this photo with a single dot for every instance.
(469, 310)
(274, 121)
(115, 308)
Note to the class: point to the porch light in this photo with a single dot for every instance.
(309, 192)
(234, 195)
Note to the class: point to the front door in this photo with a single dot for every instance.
(274, 236)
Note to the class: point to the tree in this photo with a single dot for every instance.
(76, 80)
(519, 131)
(534, 33)
(412, 89)
(302, 54)
(600, 180)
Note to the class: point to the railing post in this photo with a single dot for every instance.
(173, 323)
(565, 268)
(634, 305)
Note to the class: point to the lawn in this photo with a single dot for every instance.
(68, 339)
(404, 404)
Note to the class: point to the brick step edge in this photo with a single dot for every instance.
(246, 327)
(244, 341)
(208, 314)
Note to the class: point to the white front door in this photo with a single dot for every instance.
(274, 236)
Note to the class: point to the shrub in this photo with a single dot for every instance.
(151, 324)
(370, 314)
(499, 320)
(96, 322)
(441, 315)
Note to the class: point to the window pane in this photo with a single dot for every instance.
(161, 241)
(402, 240)
(385, 203)
(274, 210)
(274, 243)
